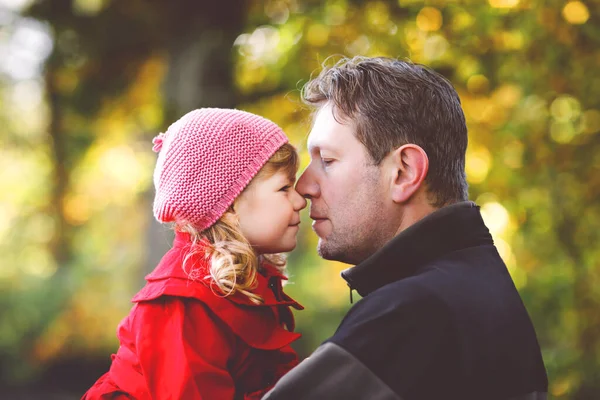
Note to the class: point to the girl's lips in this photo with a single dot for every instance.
(296, 221)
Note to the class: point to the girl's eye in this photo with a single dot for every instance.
(327, 161)
(285, 188)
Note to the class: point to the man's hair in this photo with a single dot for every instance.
(392, 103)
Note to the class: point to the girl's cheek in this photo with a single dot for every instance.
(291, 200)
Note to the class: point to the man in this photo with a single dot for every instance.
(440, 317)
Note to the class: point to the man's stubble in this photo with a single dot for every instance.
(357, 224)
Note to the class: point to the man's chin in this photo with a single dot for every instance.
(345, 255)
(326, 252)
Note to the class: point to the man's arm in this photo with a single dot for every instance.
(331, 373)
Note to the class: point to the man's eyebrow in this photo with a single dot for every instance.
(312, 147)
(317, 147)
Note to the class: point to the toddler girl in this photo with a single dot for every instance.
(212, 321)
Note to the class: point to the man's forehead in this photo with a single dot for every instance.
(327, 133)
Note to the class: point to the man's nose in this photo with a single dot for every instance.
(307, 185)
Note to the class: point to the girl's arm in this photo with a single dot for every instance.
(183, 350)
(287, 359)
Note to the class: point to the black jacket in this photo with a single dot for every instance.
(440, 318)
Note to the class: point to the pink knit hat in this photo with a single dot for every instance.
(206, 159)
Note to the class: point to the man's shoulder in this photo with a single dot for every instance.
(394, 310)
(396, 330)
(412, 293)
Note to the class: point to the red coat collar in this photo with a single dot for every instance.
(237, 311)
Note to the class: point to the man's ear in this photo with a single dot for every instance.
(409, 165)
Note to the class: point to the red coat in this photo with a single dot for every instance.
(181, 341)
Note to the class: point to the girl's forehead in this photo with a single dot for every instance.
(281, 176)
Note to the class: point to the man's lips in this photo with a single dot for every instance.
(318, 221)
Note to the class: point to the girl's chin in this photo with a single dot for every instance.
(286, 249)
(281, 248)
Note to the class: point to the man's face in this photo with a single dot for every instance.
(347, 195)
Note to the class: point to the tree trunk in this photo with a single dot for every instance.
(199, 48)
(60, 244)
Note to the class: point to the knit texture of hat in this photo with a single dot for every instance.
(206, 159)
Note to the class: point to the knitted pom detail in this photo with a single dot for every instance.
(158, 142)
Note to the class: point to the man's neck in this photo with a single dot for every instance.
(413, 212)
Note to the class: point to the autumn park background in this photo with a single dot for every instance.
(86, 84)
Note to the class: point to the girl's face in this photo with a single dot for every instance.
(269, 213)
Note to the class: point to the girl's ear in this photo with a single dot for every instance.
(409, 165)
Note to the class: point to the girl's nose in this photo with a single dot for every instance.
(298, 201)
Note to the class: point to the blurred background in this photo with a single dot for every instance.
(86, 84)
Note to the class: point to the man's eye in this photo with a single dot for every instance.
(327, 162)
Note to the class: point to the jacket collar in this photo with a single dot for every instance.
(237, 311)
(451, 228)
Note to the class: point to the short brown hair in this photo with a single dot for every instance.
(392, 103)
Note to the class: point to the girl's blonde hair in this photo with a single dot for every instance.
(233, 262)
